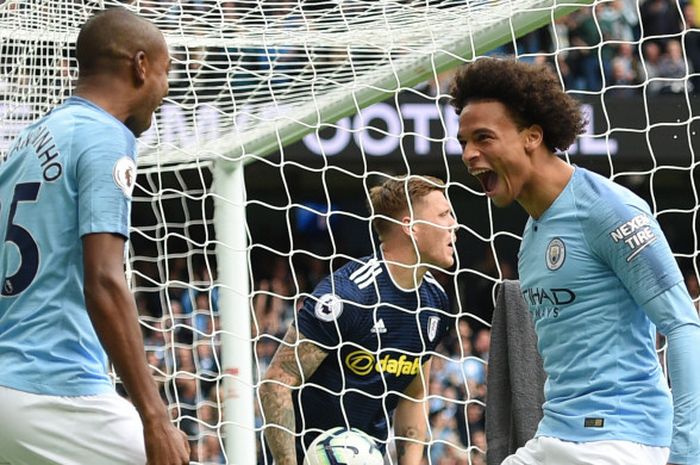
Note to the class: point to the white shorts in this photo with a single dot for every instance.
(48, 430)
(544, 450)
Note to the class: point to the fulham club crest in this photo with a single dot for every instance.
(124, 174)
(433, 322)
(556, 254)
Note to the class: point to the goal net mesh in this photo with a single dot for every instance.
(320, 100)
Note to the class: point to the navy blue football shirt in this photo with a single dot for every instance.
(377, 335)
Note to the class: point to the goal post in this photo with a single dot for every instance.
(234, 299)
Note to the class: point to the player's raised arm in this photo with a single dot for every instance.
(290, 365)
(596, 273)
(113, 313)
(411, 419)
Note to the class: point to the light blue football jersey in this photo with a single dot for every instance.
(68, 174)
(588, 266)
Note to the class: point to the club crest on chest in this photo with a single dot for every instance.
(555, 254)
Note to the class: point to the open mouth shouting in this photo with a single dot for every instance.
(487, 178)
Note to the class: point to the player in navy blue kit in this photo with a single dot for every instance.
(65, 306)
(597, 274)
(362, 342)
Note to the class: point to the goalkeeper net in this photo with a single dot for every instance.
(282, 114)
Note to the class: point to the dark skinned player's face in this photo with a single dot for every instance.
(493, 150)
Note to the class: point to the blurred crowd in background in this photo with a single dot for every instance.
(625, 48)
(622, 47)
(617, 46)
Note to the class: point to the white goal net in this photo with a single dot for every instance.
(283, 113)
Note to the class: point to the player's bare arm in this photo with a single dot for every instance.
(290, 366)
(113, 314)
(411, 419)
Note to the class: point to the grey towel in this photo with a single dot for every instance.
(515, 384)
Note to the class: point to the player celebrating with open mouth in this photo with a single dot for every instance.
(597, 274)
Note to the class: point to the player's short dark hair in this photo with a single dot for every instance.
(391, 199)
(109, 36)
(531, 93)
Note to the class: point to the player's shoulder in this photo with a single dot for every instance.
(91, 127)
(342, 292)
(596, 193)
(434, 285)
(601, 203)
(357, 276)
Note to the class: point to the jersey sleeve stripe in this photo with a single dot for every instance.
(370, 279)
(366, 274)
(363, 269)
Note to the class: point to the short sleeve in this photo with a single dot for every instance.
(629, 239)
(330, 316)
(106, 175)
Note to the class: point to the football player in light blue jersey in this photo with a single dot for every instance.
(65, 308)
(597, 274)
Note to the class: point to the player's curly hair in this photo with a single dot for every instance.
(531, 93)
(389, 199)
